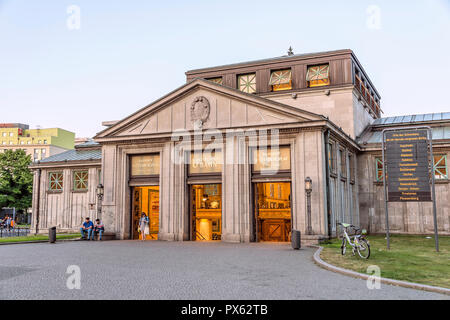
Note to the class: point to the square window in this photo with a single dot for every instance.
(318, 76)
(281, 80)
(55, 181)
(80, 180)
(440, 166)
(218, 80)
(247, 83)
(379, 169)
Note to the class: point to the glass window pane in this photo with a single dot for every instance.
(247, 83)
(440, 166)
(218, 80)
(80, 180)
(318, 75)
(56, 181)
(281, 80)
(379, 169)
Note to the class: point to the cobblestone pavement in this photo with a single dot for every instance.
(178, 270)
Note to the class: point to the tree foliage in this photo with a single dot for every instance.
(16, 179)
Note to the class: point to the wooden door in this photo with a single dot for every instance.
(136, 213)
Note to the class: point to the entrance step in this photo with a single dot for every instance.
(107, 236)
(312, 239)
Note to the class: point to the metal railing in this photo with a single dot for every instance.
(14, 232)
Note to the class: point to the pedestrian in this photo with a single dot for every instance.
(87, 227)
(143, 226)
(98, 228)
(8, 223)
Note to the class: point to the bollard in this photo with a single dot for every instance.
(52, 235)
(295, 239)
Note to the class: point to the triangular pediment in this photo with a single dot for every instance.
(214, 106)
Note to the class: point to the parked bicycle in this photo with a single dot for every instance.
(359, 244)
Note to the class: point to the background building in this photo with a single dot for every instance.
(39, 143)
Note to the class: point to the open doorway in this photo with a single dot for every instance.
(146, 199)
(273, 211)
(206, 212)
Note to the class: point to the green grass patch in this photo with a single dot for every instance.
(411, 258)
(23, 226)
(38, 238)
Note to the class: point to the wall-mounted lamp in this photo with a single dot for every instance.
(100, 193)
(308, 189)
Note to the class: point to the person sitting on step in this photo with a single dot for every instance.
(99, 228)
(87, 227)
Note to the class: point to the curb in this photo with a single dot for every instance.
(411, 285)
(37, 241)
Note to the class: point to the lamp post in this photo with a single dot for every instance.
(100, 192)
(308, 189)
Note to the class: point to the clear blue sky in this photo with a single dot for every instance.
(128, 53)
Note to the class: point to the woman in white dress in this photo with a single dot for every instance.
(143, 225)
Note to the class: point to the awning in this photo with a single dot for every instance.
(280, 77)
(318, 72)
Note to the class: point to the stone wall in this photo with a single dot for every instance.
(64, 209)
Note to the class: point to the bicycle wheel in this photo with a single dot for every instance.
(363, 249)
(344, 246)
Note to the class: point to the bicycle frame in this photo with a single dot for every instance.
(355, 237)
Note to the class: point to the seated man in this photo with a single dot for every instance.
(98, 228)
(87, 227)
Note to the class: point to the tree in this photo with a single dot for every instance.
(16, 180)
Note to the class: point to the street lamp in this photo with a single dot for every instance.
(308, 189)
(100, 193)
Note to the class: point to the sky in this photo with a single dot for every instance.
(73, 64)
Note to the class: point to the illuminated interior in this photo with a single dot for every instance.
(319, 83)
(273, 211)
(146, 199)
(206, 212)
(318, 76)
(281, 87)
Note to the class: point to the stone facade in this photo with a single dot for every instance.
(328, 131)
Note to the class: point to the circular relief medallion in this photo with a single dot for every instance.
(200, 109)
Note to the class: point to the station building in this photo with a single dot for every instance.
(243, 153)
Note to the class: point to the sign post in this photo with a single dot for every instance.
(407, 167)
